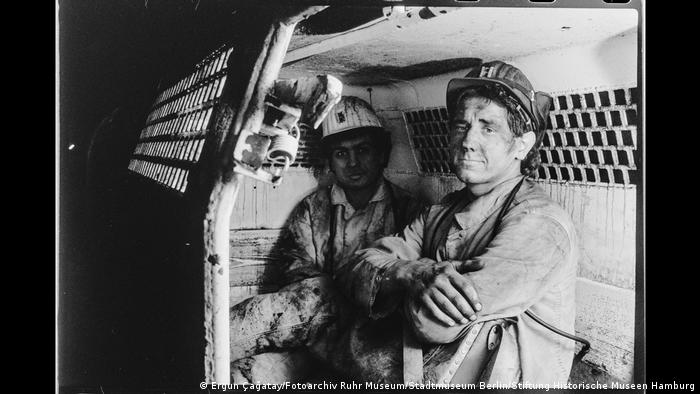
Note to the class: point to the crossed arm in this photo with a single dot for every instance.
(518, 266)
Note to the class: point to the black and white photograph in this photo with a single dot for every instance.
(372, 195)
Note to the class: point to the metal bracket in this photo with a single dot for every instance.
(252, 148)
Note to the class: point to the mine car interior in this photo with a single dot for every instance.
(179, 208)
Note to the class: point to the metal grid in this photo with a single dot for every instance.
(172, 140)
(309, 154)
(429, 136)
(591, 137)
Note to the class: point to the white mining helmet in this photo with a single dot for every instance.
(350, 113)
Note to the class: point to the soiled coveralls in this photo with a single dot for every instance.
(309, 313)
(529, 264)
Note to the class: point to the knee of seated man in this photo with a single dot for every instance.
(316, 287)
(314, 292)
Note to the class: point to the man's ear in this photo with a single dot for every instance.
(527, 141)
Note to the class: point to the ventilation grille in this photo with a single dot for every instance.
(309, 154)
(591, 137)
(428, 129)
(174, 135)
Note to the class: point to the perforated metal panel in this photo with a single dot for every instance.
(591, 137)
(175, 132)
(309, 154)
(429, 132)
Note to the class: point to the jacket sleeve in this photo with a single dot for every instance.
(530, 254)
(299, 249)
(360, 275)
(409, 208)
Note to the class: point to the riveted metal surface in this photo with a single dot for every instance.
(494, 338)
(464, 346)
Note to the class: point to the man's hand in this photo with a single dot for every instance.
(442, 289)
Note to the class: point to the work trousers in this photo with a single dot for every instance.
(306, 321)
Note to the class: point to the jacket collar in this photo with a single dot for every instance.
(484, 206)
(338, 197)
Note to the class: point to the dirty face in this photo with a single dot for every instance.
(357, 162)
(484, 149)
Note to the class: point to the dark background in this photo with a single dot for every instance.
(130, 290)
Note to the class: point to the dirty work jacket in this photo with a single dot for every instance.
(268, 329)
(307, 237)
(529, 264)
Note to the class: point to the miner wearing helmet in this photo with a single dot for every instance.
(328, 225)
(486, 278)
(361, 205)
(477, 288)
